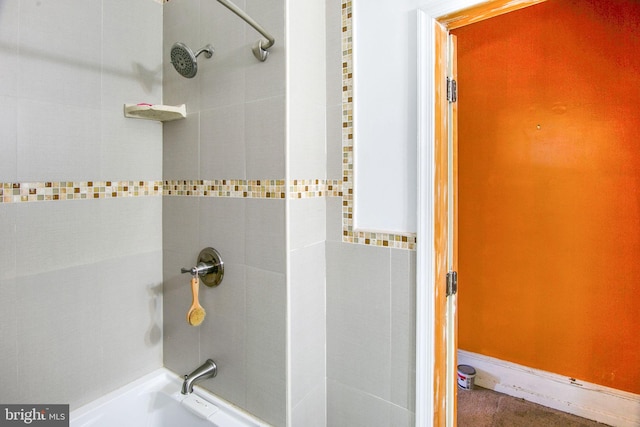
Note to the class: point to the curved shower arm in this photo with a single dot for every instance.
(260, 49)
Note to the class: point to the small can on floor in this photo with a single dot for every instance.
(466, 376)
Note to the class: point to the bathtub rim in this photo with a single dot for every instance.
(164, 376)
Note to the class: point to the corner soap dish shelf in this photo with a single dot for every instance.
(162, 113)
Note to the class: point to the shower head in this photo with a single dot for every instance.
(184, 60)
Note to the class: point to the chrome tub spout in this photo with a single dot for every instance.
(207, 370)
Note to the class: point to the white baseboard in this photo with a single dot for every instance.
(603, 404)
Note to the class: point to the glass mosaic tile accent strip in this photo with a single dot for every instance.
(349, 235)
(256, 189)
(12, 192)
(239, 188)
(269, 189)
(308, 188)
(263, 189)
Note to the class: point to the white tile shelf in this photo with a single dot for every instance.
(162, 113)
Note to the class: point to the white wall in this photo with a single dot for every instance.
(385, 132)
(385, 110)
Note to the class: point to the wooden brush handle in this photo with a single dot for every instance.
(195, 288)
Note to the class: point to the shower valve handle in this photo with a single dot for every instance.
(201, 269)
(209, 267)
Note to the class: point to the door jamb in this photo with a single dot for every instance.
(450, 14)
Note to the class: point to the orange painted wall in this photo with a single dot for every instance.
(549, 189)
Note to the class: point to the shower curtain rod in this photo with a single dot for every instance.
(260, 49)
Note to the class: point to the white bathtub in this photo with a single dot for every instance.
(155, 401)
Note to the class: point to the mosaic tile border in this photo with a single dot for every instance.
(12, 192)
(237, 188)
(255, 189)
(269, 189)
(349, 235)
(27, 192)
(305, 189)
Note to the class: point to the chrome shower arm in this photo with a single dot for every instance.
(260, 49)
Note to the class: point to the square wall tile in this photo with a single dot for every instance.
(180, 24)
(60, 52)
(222, 145)
(307, 55)
(307, 222)
(131, 149)
(265, 79)
(312, 411)
(8, 138)
(130, 296)
(348, 406)
(222, 334)
(9, 30)
(266, 396)
(8, 241)
(180, 225)
(57, 142)
(63, 323)
(221, 80)
(9, 340)
(181, 341)
(334, 219)
(223, 76)
(128, 226)
(50, 233)
(220, 25)
(266, 303)
(401, 417)
(265, 234)
(307, 320)
(177, 89)
(181, 148)
(265, 138)
(307, 147)
(178, 20)
(222, 226)
(132, 53)
(358, 317)
(403, 329)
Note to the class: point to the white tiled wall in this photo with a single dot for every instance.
(351, 315)
(79, 281)
(99, 260)
(244, 331)
(370, 341)
(370, 297)
(306, 106)
(307, 90)
(235, 130)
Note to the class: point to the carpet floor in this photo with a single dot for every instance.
(486, 408)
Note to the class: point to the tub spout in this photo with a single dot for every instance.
(207, 370)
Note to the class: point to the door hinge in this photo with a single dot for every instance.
(452, 90)
(452, 283)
